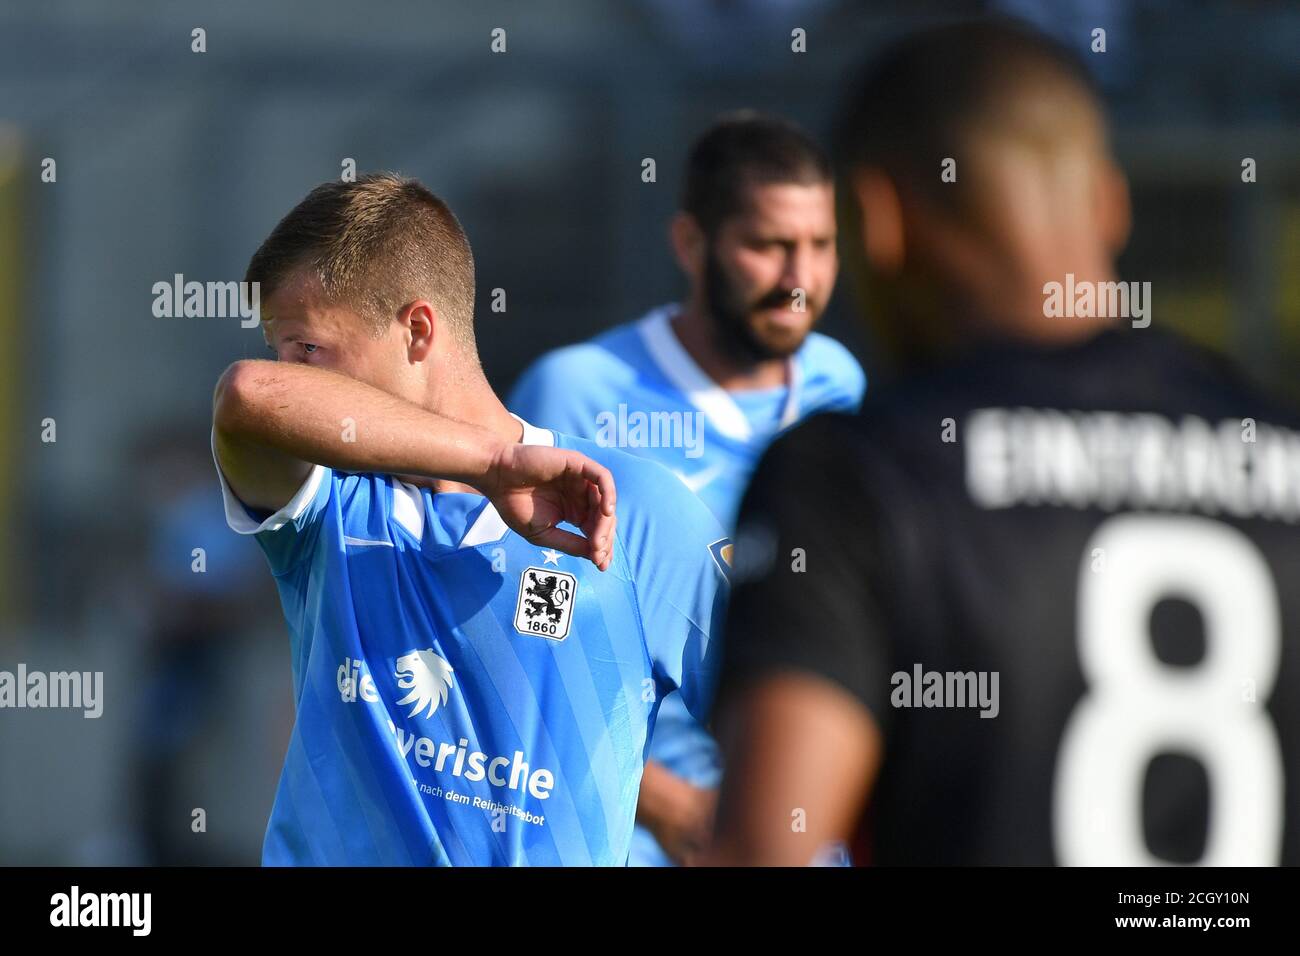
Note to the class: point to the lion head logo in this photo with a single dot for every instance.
(428, 678)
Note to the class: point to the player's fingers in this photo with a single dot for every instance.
(566, 541)
(594, 511)
(577, 502)
(599, 476)
(583, 505)
(600, 528)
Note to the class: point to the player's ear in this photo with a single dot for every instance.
(882, 218)
(690, 245)
(1114, 209)
(420, 320)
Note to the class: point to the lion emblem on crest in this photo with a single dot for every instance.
(544, 596)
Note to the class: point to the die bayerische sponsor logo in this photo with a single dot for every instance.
(428, 680)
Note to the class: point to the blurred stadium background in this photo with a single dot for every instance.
(172, 162)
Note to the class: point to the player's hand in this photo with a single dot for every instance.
(535, 488)
(679, 814)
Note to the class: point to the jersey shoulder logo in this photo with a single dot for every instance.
(545, 605)
(428, 678)
(722, 551)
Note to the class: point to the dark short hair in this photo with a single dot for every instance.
(376, 244)
(740, 151)
(932, 92)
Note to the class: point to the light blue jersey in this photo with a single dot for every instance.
(465, 697)
(636, 388)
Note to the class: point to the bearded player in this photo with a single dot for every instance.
(711, 380)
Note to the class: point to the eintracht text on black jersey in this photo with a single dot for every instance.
(1066, 585)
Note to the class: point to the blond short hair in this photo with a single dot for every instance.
(376, 245)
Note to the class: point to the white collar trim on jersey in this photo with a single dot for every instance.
(702, 391)
(489, 526)
(534, 435)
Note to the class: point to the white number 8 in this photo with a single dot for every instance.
(1137, 707)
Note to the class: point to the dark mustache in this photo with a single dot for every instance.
(777, 299)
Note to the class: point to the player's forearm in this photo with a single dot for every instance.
(679, 814)
(801, 754)
(320, 416)
(659, 794)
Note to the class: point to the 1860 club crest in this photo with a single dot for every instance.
(545, 603)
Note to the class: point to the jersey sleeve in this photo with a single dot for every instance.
(810, 586)
(288, 535)
(836, 381)
(678, 554)
(855, 388)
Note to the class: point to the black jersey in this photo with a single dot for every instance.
(1066, 585)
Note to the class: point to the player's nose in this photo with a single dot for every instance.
(800, 273)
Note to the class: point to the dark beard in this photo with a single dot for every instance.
(729, 312)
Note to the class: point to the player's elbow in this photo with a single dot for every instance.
(234, 396)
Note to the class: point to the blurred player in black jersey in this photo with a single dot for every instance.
(1040, 602)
